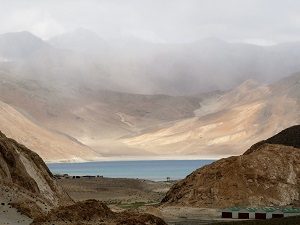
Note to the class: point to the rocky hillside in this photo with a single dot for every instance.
(25, 181)
(268, 174)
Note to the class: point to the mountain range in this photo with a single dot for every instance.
(78, 97)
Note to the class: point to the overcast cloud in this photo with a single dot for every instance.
(254, 21)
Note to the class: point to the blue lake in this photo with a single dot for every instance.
(156, 170)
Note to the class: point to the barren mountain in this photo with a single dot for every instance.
(70, 94)
(228, 123)
(123, 124)
(51, 145)
(267, 174)
(96, 118)
(135, 65)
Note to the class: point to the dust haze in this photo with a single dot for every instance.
(152, 47)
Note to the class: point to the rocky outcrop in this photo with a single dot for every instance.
(92, 212)
(25, 180)
(267, 174)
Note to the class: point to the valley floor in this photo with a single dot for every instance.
(144, 196)
(136, 195)
(117, 192)
(139, 195)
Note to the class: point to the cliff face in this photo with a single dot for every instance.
(25, 180)
(267, 174)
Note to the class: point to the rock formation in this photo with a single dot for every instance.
(267, 174)
(25, 180)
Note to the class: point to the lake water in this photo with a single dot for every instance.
(156, 170)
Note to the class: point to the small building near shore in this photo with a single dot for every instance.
(259, 213)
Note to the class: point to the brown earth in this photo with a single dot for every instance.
(94, 212)
(121, 192)
(267, 175)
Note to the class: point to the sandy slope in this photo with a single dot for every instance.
(96, 118)
(50, 145)
(228, 124)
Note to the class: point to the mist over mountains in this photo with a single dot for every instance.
(131, 65)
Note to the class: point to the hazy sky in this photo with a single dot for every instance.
(254, 21)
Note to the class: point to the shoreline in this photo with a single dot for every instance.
(132, 160)
(158, 170)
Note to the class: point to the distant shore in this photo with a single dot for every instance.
(137, 158)
(155, 170)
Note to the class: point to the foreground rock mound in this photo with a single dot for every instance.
(94, 212)
(25, 180)
(267, 174)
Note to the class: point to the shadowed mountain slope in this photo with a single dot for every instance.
(287, 137)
